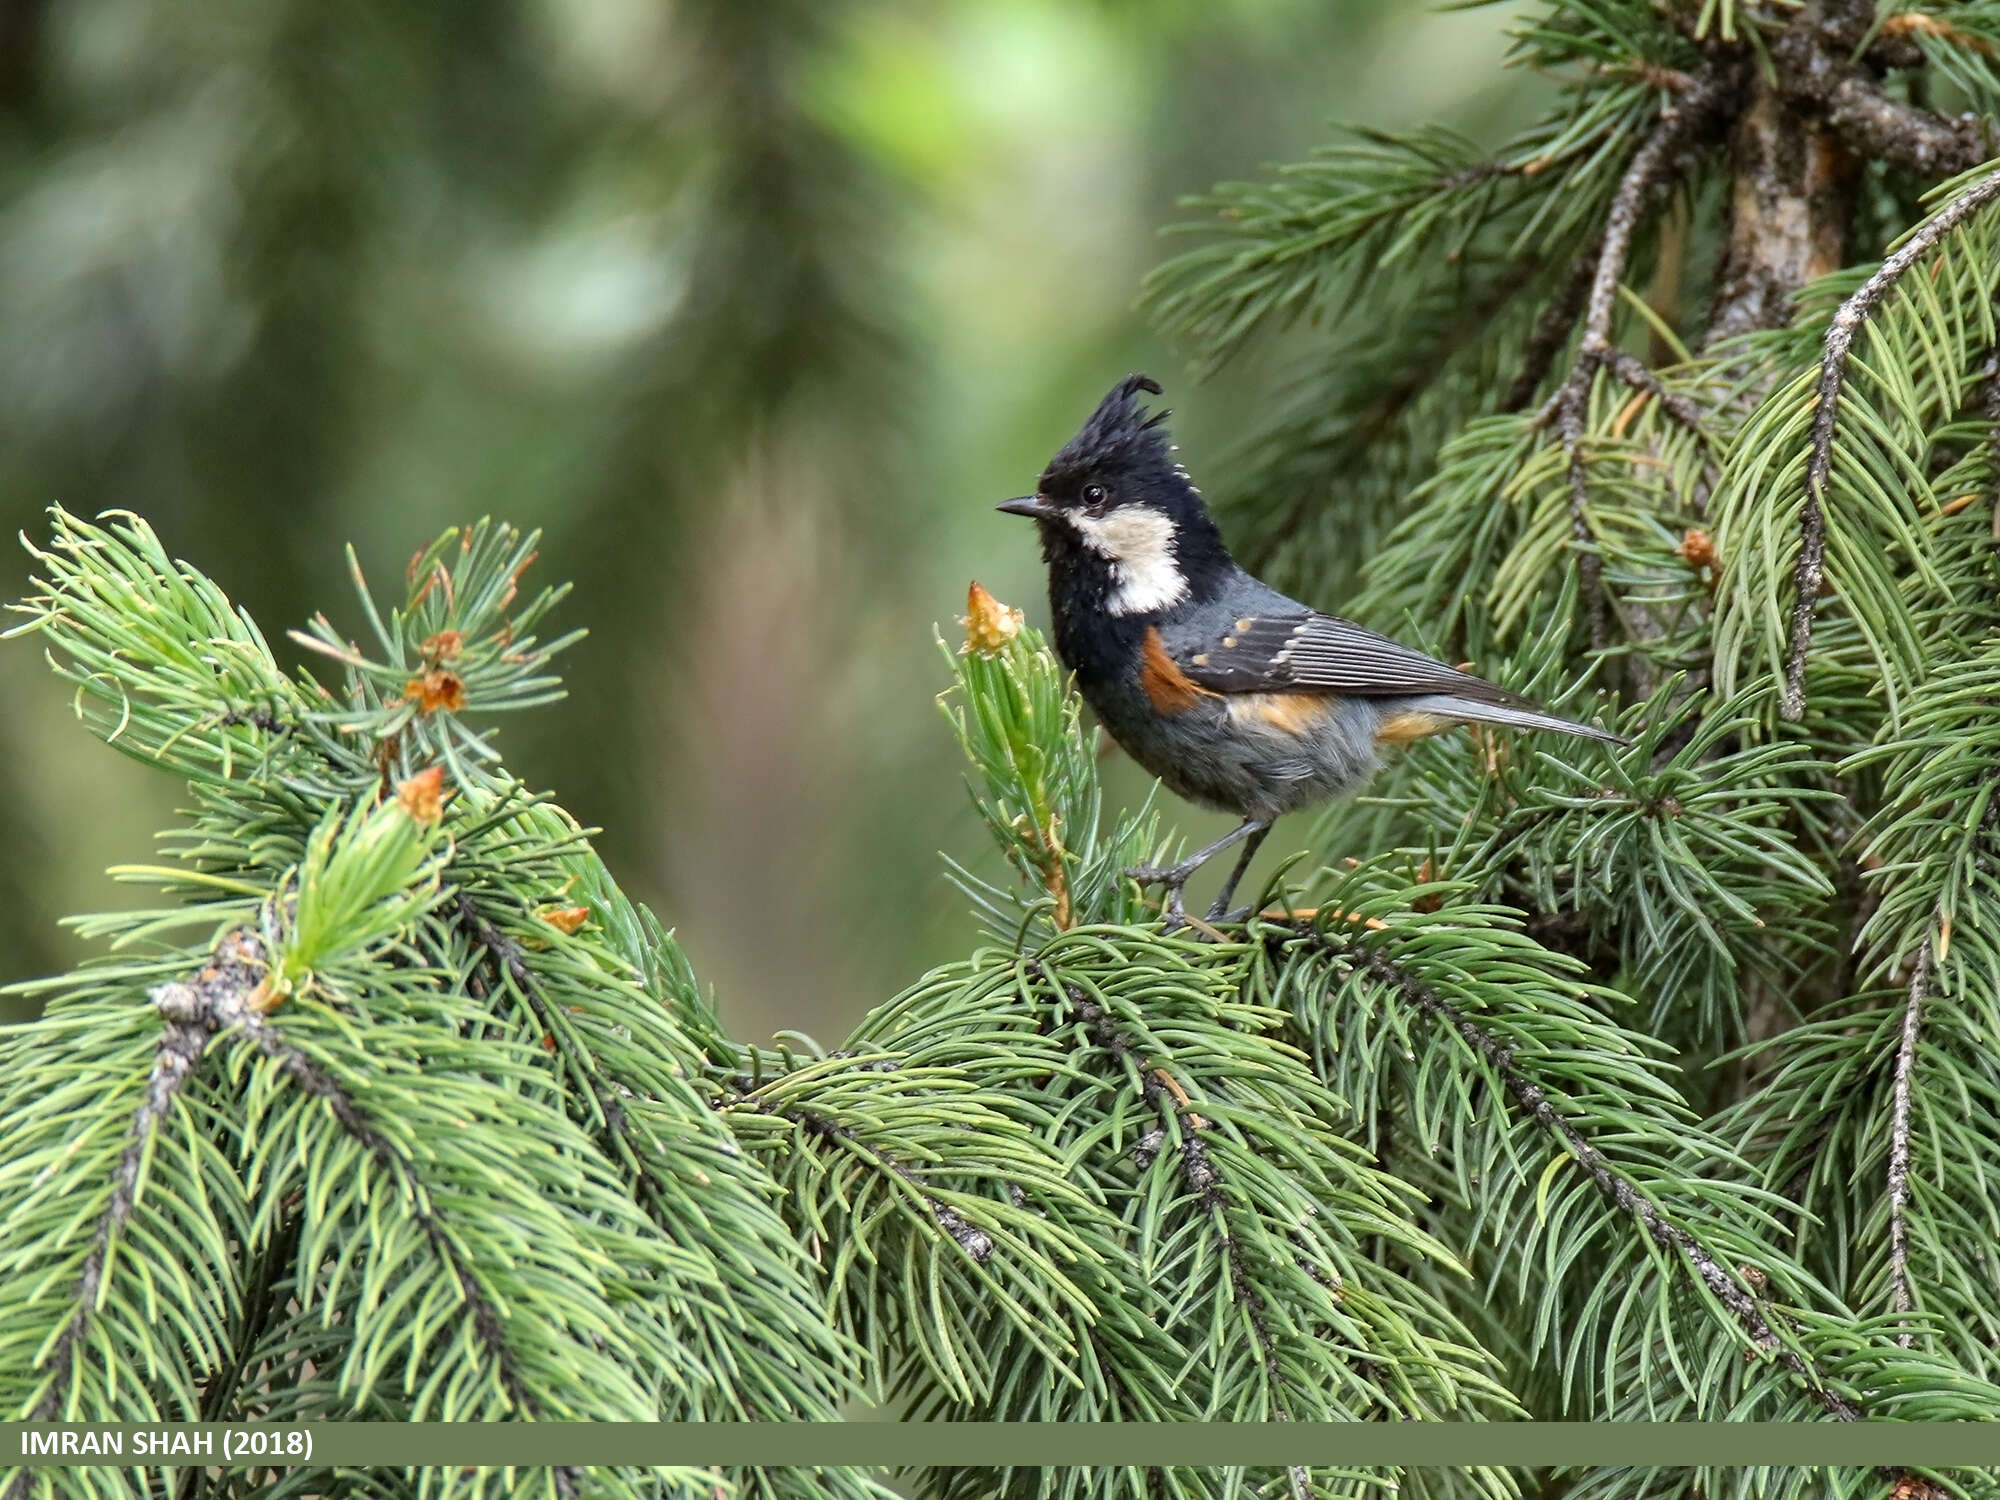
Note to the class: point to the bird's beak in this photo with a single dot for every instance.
(1032, 506)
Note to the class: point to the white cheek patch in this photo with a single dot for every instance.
(1139, 544)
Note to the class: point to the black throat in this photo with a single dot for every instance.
(1102, 647)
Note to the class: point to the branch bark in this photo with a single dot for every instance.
(1815, 72)
(1792, 195)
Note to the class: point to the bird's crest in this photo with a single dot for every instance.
(1121, 431)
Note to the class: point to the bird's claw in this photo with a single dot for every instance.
(1173, 879)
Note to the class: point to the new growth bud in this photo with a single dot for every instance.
(989, 624)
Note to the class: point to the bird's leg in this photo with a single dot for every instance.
(1220, 911)
(1175, 877)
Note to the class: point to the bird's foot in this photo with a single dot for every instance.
(1173, 881)
(1171, 876)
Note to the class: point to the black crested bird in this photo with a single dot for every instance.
(1232, 694)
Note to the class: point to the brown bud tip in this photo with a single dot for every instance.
(1697, 549)
(565, 919)
(443, 647)
(436, 689)
(1913, 22)
(422, 796)
(989, 624)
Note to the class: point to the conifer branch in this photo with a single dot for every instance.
(487, 1324)
(194, 1011)
(1200, 1176)
(1810, 574)
(1094, 1173)
(318, 1083)
(1420, 375)
(1900, 1298)
(829, 1129)
(1627, 1198)
(615, 1136)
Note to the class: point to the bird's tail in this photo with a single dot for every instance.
(1467, 711)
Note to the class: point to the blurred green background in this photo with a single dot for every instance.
(754, 306)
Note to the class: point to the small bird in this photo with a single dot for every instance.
(1235, 696)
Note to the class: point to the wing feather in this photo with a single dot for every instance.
(1317, 653)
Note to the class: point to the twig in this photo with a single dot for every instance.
(1636, 373)
(1918, 141)
(1810, 575)
(1900, 1297)
(1650, 168)
(1990, 407)
(1589, 565)
(1617, 1189)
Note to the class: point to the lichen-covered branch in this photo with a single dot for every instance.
(1900, 1297)
(1810, 575)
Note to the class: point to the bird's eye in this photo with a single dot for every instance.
(1095, 494)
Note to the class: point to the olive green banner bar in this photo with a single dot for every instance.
(885, 1444)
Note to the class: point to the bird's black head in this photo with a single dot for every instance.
(1124, 530)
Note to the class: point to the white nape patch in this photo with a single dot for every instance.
(1139, 544)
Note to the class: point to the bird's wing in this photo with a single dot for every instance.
(1308, 652)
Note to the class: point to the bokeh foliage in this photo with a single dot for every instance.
(751, 309)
